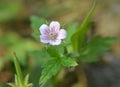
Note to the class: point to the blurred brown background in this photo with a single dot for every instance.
(15, 17)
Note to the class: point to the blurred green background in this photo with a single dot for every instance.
(15, 31)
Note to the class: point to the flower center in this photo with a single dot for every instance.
(52, 35)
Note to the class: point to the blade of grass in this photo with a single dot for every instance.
(18, 71)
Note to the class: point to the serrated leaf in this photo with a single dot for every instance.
(51, 68)
(67, 62)
(79, 36)
(98, 44)
(95, 47)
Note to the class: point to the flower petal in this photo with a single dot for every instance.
(54, 26)
(44, 39)
(44, 29)
(55, 42)
(62, 34)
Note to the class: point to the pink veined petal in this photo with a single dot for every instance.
(44, 39)
(54, 26)
(62, 34)
(55, 42)
(44, 29)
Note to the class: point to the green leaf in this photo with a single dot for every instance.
(12, 84)
(26, 81)
(40, 57)
(98, 45)
(51, 68)
(95, 47)
(36, 22)
(78, 37)
(18, 71)
(70, 31)
(55, 51)
(17, 84)
(67, 62)
(21, 49)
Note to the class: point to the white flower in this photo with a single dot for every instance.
(52, 34)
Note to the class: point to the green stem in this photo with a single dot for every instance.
(18, 71)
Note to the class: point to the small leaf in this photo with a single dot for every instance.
(36, 22)
(67, 62)
(51, 68)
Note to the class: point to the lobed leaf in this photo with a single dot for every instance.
(95, 47)
(99, 44)
(51, 68)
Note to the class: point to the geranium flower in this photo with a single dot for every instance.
(52, 34)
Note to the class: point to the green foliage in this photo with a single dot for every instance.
(67, 62)
(78, 37)
(26, 82)
(13, 43)
(22, 48)
(55, 51)
(39, 56)
(75, 47)
(19, 81)
(52, 67)
(70, 31)
(98, 44)
(18, 71)
(95, 47)
(36, 22)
